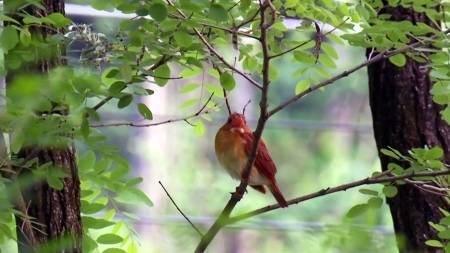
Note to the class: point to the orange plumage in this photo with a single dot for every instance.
(233, 145)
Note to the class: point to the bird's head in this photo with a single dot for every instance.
(236, 121)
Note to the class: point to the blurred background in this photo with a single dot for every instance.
(324, 140)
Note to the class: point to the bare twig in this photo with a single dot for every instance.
(245, 106)
(133, 124)
(226, 101)
(423, 186)
(179, 210)
(343, 187)
(214, 51)
(308, 41)
(382, 55)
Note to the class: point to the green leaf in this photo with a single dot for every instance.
(218, 12)
(145, 111)
(357, 210)
(133, 196)
(368, 192)
(446, 114)
(389, 153)
(114, 250)
(434, 153)
(91, 208)
(434, 243)
(125, 100)
(87, 161)
(162, 71)
(304, 57)
(189, 87)
(375, 202)
(55, 182)
(117, 87)
(94, 223)
(190, 72)
(8, 19)
(59, 19)
(9, 38)
(398, 60)
(25, 37)
(109, 239)
(227, 81)
(444, 234)
(395, 168)
(158, 12)
(329, 50)
(301, 86)
(447, 248)
(111, 72)
(183, 39)
(390, 191)
(445, 221)
(199, 128)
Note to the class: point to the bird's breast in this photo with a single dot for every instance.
(230, 151)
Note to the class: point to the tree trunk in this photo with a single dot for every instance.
(405, 117)
(55, 213)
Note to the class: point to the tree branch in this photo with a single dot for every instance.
(132, 124)
(382, 55)
(240, 190)
(179, 210)
(366, 181)
(213, 51)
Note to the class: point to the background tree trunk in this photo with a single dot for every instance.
(405, 117)
(56, 212)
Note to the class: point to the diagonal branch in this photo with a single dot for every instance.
(179, 210)
(201, 111)
(343, 187)
(382, 55)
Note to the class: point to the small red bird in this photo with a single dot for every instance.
(233, 146)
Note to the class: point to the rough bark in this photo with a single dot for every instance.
(55, 213)
(405, 117)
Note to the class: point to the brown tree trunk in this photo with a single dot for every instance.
(405, 117)
(55, 213)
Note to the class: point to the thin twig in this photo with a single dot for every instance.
(161, 61)
(245, 106)
(226, 29)
(343, 187)
(179, 210)
(382, 55)
(226, 101)
(199, 112)
(308, 41)
(214, 51)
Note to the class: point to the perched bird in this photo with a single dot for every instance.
(233, 145)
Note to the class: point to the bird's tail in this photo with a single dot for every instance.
(278, 195)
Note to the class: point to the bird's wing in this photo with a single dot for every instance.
(263, 162)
